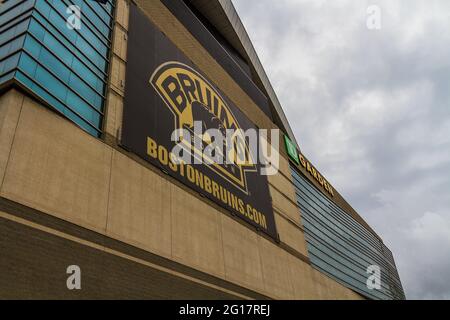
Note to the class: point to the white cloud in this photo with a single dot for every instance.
(431, 227)
(370, 109)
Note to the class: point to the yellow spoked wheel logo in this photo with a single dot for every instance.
(193, 100)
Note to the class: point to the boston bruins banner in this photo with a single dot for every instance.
(166, 94)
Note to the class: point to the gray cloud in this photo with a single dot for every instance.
(371, 109)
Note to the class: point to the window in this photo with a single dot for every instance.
(66, 68)
(340, 246)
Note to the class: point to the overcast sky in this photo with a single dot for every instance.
(371, 109)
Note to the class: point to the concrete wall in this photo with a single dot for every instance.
(51, 167)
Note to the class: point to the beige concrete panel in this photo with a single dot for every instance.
(10, 106)
(323, 286)
(139, 206)
(241, 253)
(123, 13)
(336, 291)
(352, 295)
(290, 234)
(284, 164)
(329, 289)
(114, 113)
(275, 266)
(333, 290)
(117, 76)
(120, 43)
(302, 281)
(58, 168)
(284, 185)
(196, 233)
(310, 283)
(284, 205)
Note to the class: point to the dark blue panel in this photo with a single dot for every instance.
(341, 247)
(67, 68)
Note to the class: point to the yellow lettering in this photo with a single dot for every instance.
(302, 161)
(182, 168)
(163, 156)
(234, 202)
(151, 147)
(308, 166)
(249, 212)
(241, 206)
(199, 178)
(190, 173)
(320, 179)
(325, 184)
(208, 184)
(255, 216)
(223, 194)
(172, 160)
(215, 189)
(331, 191)
(314, 172)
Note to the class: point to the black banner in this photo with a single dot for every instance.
(165, 92)
(255, 310)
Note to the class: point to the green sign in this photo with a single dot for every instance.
(291, 150)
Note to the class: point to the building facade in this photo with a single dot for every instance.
(90, 94)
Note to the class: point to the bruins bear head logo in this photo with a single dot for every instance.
(191, 98)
